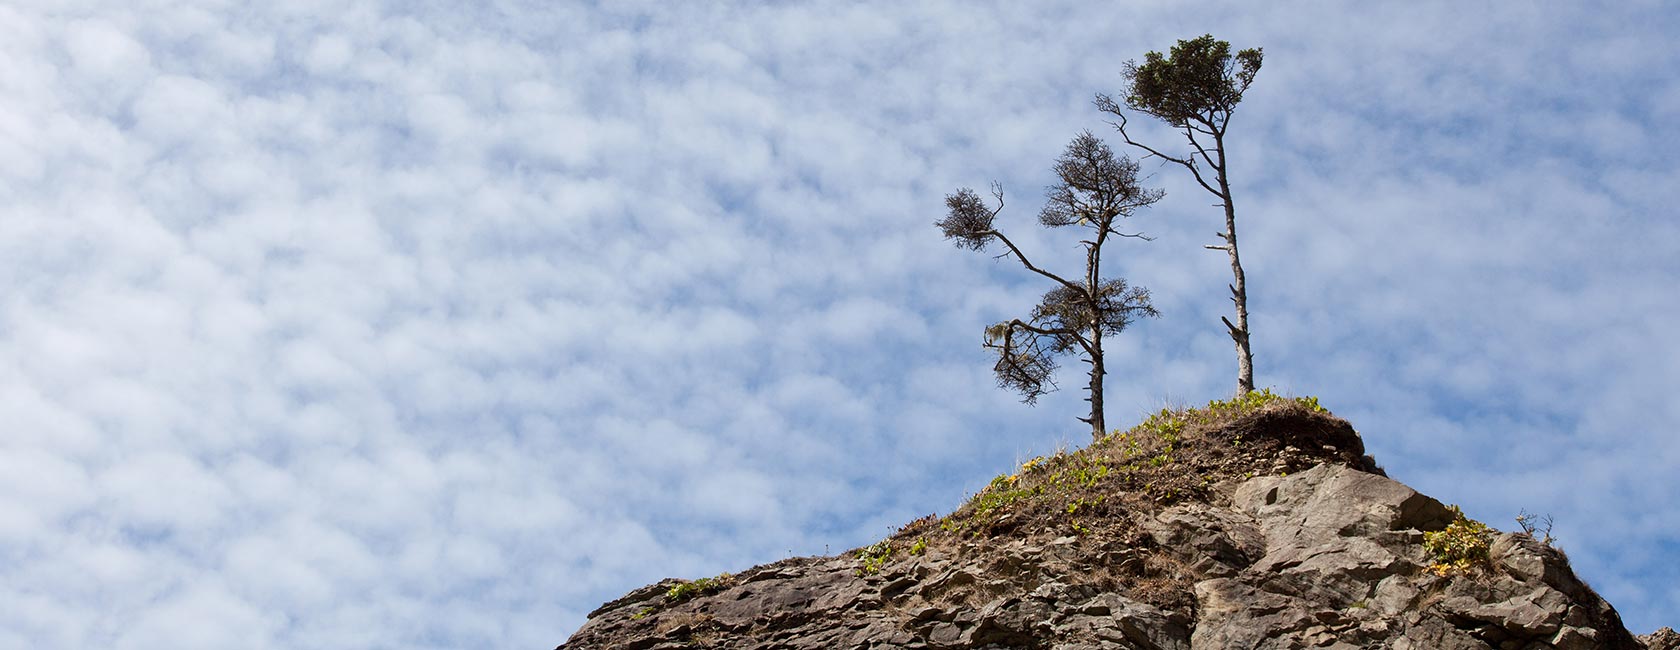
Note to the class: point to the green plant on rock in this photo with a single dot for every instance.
(919, 547)
(687, 589)
(874, 557)
(1459, 547)
(1085, 472)
(1082, 503)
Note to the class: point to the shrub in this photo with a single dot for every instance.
(1537, 526)
(1459, 547)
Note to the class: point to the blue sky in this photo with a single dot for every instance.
(363, 325)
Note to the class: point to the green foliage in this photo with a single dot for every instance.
(1076, 505)
(690, 588)
(1082, 471)
(1462, 545)
(919, 547)
(874, 557)
(1199, 81)
(1001, 493)
(642, 613)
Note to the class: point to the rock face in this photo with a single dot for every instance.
(1330, 557)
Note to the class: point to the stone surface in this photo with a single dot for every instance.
(1663, 639)
(1330, 557)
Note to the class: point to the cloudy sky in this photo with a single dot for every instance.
(360, 325)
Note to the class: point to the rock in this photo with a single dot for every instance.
(1663, 639)
(1329, 557)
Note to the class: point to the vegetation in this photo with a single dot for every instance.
(1100, 492)
(690, 588)
(1460, 547)
(1537, 526)
(874, 556)
(1169, 424)
(1195, 89)
(1172, 455)
(1094, 190)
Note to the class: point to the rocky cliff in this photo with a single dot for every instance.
(1257, 523)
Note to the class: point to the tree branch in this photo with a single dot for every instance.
(1236, 334)
(1077, 335)
(1203, 152)
(1029, 264)
(1187, 163)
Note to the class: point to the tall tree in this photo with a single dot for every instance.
(1094, 190)
(1195, 89)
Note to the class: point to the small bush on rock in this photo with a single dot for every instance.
(1459, 547)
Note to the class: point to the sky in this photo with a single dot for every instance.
(436, 325)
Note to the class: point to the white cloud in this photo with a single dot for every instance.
(322, 320)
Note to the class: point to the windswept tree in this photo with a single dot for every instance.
(1094, 190)
(1195, 90)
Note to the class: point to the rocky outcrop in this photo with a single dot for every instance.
(1329, 557)
(1663, 639)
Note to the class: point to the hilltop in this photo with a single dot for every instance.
(1257, 522)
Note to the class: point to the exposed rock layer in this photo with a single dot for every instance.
(1331, 557)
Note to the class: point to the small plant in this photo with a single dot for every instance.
(919, 547)
(1082, 503)
(690, 588)
(1001, 493)
(1459, 547)
(643, 613)
(1537, 526)
(874, 557)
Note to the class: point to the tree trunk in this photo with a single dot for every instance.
(1098, 427)
(1239, 286)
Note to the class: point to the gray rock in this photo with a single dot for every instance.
(1330, 557)
(1662, 639)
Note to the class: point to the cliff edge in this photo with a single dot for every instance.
(1253, 523)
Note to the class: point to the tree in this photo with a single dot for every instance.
(1094, 189)
(1195, 90)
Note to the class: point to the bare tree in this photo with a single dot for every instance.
(1195, 90)
(1094, 190)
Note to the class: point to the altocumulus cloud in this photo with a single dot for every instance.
(381, 326)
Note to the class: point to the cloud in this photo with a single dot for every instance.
(325, 320)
